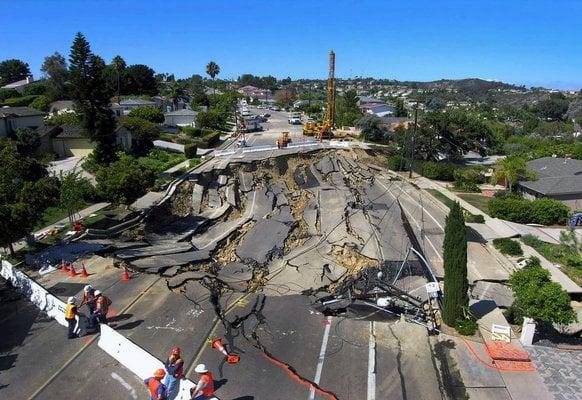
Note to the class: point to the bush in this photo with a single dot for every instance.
(124, 180)
(34, 89)
(549, 211)
(469, 175)
(438, 171)
(505, 194)
(397, 163)
(8, 93)
(475, 218)
(151, 114)
(23, 101)
(508, 247)
(190, 150)
(211, 119)
(466, 326)
(160, 160)
(190, 131)
(469, 187)
(65, 118)
(41, 103)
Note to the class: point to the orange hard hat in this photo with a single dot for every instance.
(176, 351)
(159, 373)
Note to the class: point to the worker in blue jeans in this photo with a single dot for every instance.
(175, 367)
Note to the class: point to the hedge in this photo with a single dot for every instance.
(397, 163)
(23, 101)
(508, 247)
(438, 171)
(540, 211)
(190, 150)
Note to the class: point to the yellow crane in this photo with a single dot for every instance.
(324, 130)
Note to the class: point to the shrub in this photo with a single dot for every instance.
(41, 103)
(549, 211)
(475, 218)
(470, 187)
(397, 163)
(505, 194)
(8, 93)
(34, 89)
(212, 138)
(439, 171)
(211, 119)
(151, 114)
(124, 180)
(511, 209)
(190, 150)
(23, 101)
(469, 175)
(508, 246)
(190, 131)
(466, 326)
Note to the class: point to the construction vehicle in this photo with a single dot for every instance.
(284, 140)
(324, 130)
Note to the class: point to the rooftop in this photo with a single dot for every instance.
(182, 112)
(556, 176)
(19, 112)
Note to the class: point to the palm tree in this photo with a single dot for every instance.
(119, 65)
(175, 92)
(511, 170)
(212, 69)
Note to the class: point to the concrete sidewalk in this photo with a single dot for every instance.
(65, 221)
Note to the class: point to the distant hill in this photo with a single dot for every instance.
(471, 87)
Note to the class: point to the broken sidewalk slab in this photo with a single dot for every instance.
(498, 292)
(158, 250)
(214, 199)
(222, 180)
(209, 240)
(181, 279)
(264, 241)
(325, 166)
(235, 272)
(283, 215)
(170, 260)
(230, 195)
(261, 203)
(197, 193)
(310, 216)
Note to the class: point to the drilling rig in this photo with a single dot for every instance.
(324, 130)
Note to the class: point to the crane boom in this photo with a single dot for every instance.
(328, 119)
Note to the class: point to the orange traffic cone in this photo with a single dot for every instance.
(64, 266)
(72, 271)
(125, 276)
(84, 273)
(219, 346)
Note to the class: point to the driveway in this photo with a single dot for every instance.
(69, 164)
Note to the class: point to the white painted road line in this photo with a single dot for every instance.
(321, 357)
(372, 363)
(127, 386)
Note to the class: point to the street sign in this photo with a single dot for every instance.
(501, 333)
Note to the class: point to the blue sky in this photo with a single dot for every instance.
(535, 42)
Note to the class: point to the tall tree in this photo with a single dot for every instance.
(91, 98)
(140, 80)
(347, 109)
(13, 70)
(73, 193)
(119, 65)
(55, 70)
(175, 92)
(399, 110)
(511, 170)
(455, 259)
(212, 69)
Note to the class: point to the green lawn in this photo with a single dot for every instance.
(441, 197)
(54, 214)
(569, 259)
(476, 200)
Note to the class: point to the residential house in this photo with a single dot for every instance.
(558, 178)
(393, 123)
(255, 92)
(124, 107)
(12, 118)
(167, 105)
(19, 85)
(180, 118)
(366, 102)
(69, 140)
(381, 110)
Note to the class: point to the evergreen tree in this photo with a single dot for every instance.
(92, 99)
(455, 260)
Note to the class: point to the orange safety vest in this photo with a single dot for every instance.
(70, 311)
(209, 380)
(102, 304)
(153, 385)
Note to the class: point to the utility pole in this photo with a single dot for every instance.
(412, 140)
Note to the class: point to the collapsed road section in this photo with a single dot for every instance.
(314, 224)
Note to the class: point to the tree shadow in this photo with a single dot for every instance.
(482, 308)
(129, 325)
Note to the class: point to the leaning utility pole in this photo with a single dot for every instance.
(412, 140)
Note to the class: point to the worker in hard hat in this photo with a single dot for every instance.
(88, 298)
(102, 304)
(71, 317)
(204, 389)
(175, 368)
(158, 390)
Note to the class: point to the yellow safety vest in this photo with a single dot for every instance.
(70, 311)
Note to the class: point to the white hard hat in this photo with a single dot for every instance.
(97, 292)
(71, 300)
(87, 288)
(200, 369)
